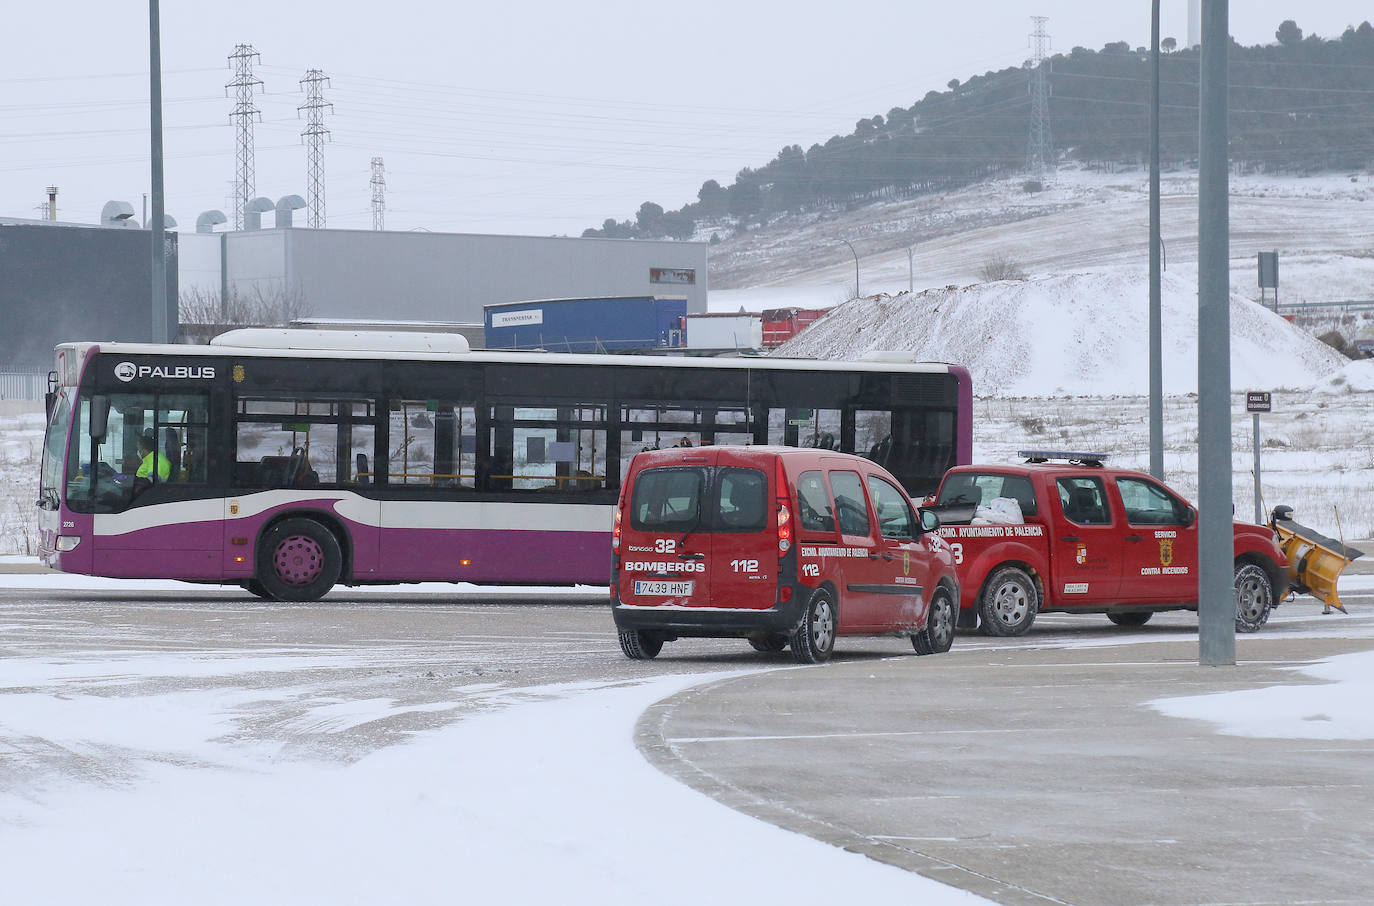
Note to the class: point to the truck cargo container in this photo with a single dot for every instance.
(601, 324)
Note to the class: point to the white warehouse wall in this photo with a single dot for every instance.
(379, 275)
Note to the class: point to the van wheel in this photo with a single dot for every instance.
(1131, 618)
(1008, 604)
(298, 560)
(815, 637)
(639, 645)
(938, 636)
(769, 644)
(1254, 597)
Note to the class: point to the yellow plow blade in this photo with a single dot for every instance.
(1315, 562)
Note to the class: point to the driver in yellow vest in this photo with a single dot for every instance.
(150, 461)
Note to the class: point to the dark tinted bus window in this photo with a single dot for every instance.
(742, 501)
(667, 500)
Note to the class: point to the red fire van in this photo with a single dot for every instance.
(777, 545)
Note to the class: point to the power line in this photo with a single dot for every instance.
(1038, 150)
(246, 114)
(378, 183)
(315, 135)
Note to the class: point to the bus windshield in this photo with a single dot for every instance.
(54, 445)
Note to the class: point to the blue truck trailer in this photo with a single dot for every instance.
(601, 324)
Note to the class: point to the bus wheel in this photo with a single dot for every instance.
(254, 587)
(1008, 604)
(1254, 597)
(298, 560)
(639, 645)
(815, 637)
(938, 636)
(769, 644)
(1131, 617)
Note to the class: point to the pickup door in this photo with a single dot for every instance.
(1159, 553)
(1085, 543)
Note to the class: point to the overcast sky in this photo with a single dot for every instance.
(541, 118)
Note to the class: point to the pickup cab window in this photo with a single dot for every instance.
(1084, 500)
(973, 488)
(1149, 504)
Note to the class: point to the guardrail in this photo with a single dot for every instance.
(1294, 307)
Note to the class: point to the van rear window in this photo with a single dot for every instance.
(670, 500)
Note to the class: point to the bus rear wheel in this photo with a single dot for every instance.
(298, 560)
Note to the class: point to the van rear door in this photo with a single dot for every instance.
(744, 540)
(664, 543)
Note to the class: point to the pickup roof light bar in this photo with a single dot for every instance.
(1069, 456)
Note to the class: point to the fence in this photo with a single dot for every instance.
(16, 385)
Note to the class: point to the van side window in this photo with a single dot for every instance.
(850, 505)
(813, 504)
(667, 500)
(894, 514)
(741, 500)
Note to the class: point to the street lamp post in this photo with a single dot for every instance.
(910, 272)
(856, 266)
(156, 230)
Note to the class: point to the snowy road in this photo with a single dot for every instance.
(173, 746)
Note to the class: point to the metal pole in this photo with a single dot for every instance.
(1255, 438)
(856, 267)
(159, 251)
(1156, 318)
(910, 273)
(1216, 593)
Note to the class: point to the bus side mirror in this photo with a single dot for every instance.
(100, 416)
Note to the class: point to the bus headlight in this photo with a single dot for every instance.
(68, 542)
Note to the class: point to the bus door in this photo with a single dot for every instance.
(150, 517)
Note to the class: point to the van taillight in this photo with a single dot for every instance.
(615, 532)
(784, 528)
(784, 514)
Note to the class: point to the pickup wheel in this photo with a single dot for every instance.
(1131, 618)
(938, 636)
(1254, 597)
(1008, 604)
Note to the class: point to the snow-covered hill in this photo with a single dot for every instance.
(1075, 334)
(1321, 226)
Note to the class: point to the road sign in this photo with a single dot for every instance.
(1258, 401)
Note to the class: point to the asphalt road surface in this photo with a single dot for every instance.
(1027, 770)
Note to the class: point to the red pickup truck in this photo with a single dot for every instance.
(1062, 532)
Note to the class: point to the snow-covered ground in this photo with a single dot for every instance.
(543, 794)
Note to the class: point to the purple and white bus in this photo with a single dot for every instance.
(288, 461)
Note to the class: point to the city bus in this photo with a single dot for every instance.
(289, 461)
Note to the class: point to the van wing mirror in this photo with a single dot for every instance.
(1190, 515)
(100, 416)
(929, 521)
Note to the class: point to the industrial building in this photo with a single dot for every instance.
(370, 275)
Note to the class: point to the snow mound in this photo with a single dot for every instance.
(1072, 335)
(1355, 376)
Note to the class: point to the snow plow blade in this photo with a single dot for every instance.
(1315, 562)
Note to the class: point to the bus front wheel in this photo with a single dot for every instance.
(298, 560)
